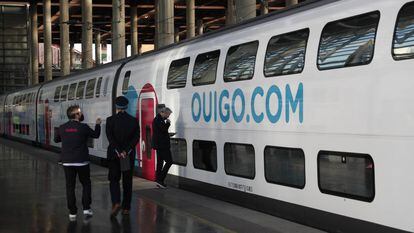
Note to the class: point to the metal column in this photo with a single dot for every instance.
(47, 31)
(64, 37)
(87, 36)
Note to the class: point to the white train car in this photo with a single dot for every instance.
(305, 114)
(20, 114)
(91, 90)
(2, 114)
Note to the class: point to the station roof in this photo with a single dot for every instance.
(211, 12)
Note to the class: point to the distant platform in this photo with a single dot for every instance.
(33, 199)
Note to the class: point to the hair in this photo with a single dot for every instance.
(165, 110)
(71, 111)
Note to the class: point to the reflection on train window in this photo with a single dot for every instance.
(205, 155)
(179, 151)
(26, 98)
(205, 68)
(240, 62)
(285, 166)
(239, 160)
(125, 84)
(80, 90)
(403, 46)
(346, 174)
(285, 54)
(57, 94)
(177, 74)
(64, 93)
(348, 42)
(71, 93)
(98, 88)
(90, 87)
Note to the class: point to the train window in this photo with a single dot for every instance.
(285, 166)
(41, 96)
(403, 46)
(14, 100)
(90, 87)
(105, 90)
(57, 94)
(98, 87)
(71, 93)
(80, 91)
(348, 175)
(205, 155)
(239, 160)
(240, 62)
(205, 68)
(348, 42)
(125, 84)
(285, 54)
(26, 98)
(177, 74)
(179, 151)
(64, 93)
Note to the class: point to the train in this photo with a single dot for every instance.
(305, 113)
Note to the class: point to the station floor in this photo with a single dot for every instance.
(32, 199)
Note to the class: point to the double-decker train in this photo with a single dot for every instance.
(304, 113)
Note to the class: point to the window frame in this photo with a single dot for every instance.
(338, 20)
(93, 88)
(192, 153)
(186, 75)
(83, 92)
(74, 91)
(342, 194)
(227, 56)
(125, 91)
(98, 87)
(195, 63)
(281, 183)
(395, 33)
(186, 151)
(55, 92)
(61, 92)
(254, 159)
(304, 57)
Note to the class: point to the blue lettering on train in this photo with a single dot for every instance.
(225, 105)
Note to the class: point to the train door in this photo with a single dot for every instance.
(146, 112)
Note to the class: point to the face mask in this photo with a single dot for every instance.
(82, 118)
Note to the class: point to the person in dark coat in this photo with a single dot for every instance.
(161, 143)
(74, 136)
(122, 131)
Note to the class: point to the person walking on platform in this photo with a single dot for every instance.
(75, 158)
(161, 143)
(122, 131)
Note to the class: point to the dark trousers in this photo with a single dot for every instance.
(84, 177)
(162, 170)
(114, 177)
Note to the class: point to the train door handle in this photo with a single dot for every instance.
(142, 146)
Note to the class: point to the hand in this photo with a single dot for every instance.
(98, 121)
(123, 154)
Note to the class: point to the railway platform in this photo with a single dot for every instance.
(33, 200)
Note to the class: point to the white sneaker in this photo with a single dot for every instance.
(72, 217)
(88, 212)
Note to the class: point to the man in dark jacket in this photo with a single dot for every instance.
(161, 143)
(122, 131)
(75, 158)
